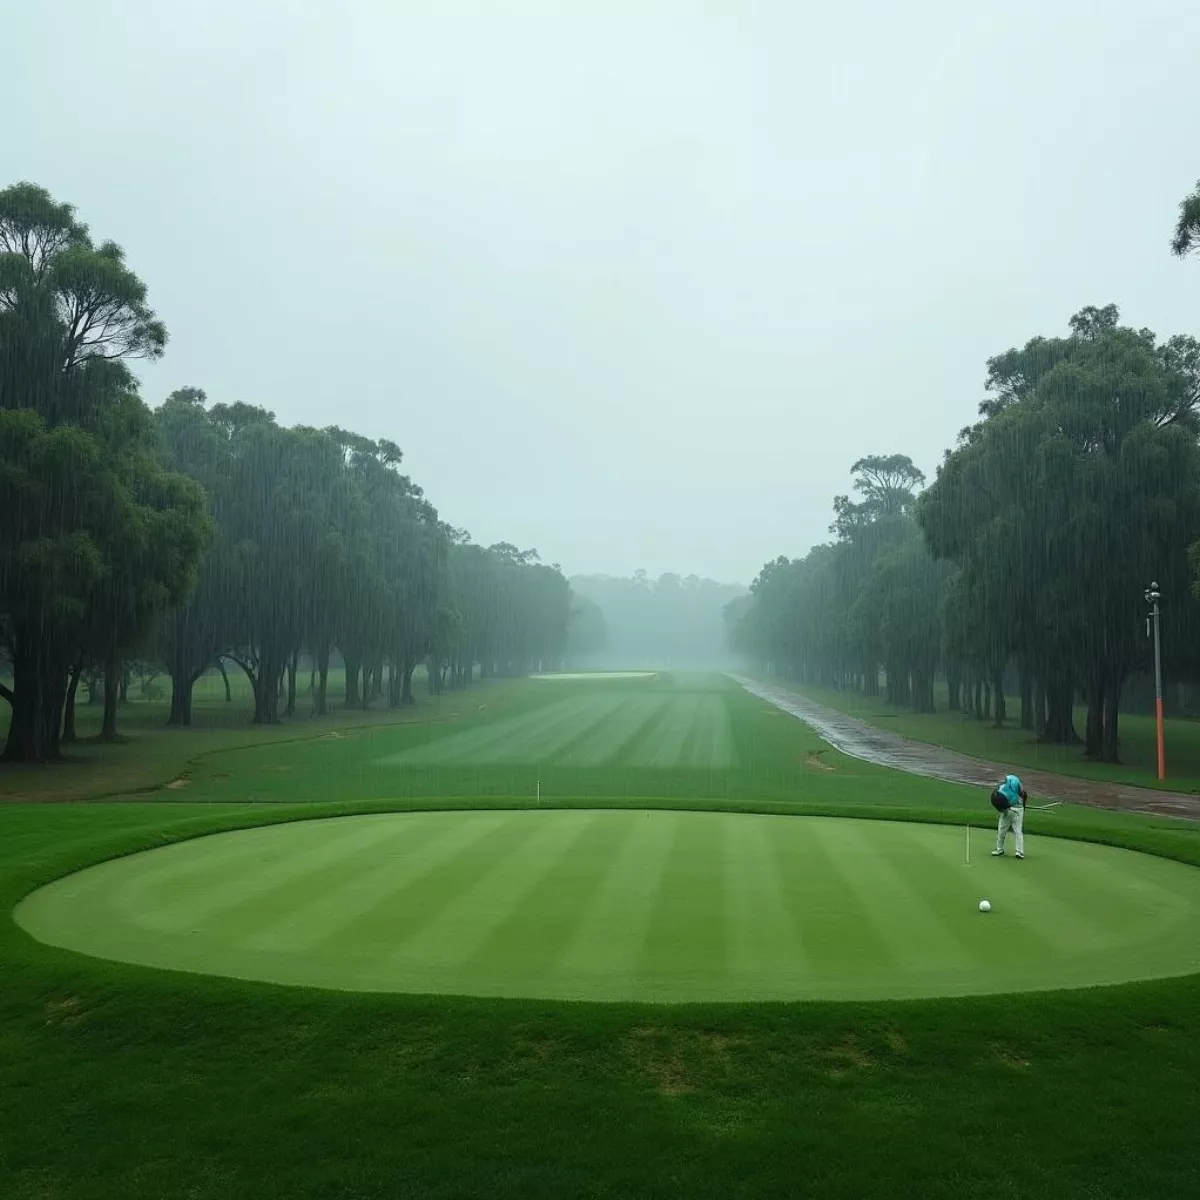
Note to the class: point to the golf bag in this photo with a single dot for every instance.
(1000, 801)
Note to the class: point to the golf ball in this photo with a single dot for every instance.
(985, 906)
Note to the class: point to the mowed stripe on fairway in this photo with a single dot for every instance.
(615, 904)
(611, 924)
(325, 913)
(674, 728)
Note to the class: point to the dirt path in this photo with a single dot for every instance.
(860, 740)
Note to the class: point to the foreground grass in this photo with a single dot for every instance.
(127, 1082)
(1020, 748)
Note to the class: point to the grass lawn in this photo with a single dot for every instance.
(1017, 746)
(150, 755)
(127, 1081)
(641, 905)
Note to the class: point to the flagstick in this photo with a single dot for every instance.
(968, 845)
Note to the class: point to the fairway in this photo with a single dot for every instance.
(594, 728)
(577, 676)
(621, 905)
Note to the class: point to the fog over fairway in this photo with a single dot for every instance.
(668, 623)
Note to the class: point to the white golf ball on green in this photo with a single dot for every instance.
(985, 906)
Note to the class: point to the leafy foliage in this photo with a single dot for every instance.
(1079, 485)
(1187, 229)
(203, 533)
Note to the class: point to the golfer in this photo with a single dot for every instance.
(1009, 800)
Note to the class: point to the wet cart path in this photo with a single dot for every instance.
(859, 740)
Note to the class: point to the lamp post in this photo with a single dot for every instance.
(1153, 595)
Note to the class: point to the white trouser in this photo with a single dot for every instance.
(1011, 818)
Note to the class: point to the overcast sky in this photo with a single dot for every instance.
(632, 283)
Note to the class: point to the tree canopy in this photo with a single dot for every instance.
(1029, 553)
(201, 533)
(1187, 229)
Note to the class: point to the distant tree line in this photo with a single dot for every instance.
(634, 621)
(1028, 556)
(200, 534)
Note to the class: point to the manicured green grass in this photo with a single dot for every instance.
(127, 1081)
(658, 906)
(692, 741)
(593, 676)
(151, 755)
(1011, 744)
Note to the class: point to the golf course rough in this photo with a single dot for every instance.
(629, 905)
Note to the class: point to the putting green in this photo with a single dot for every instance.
(616, 905)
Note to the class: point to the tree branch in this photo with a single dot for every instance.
(245, 667)
(6, 694)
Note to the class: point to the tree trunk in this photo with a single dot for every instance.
(293, 663)
(37, 697)
(353, 666)
(1060, 715)
(953, 688)
(266, 693)
(1112, 700)
(320, 706)
(922, 692)
(181, 697)
(264, 683)
(68, 723)
(1093, 734)
(112, 695)
(406, 693)
(1027, 721)
(1001, 701)
(395, 682)
(225, 680)
(184, 670)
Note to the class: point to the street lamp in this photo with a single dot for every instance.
(1153, 595)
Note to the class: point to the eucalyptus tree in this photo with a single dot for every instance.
(199, 442)
(1064, 501)
(86, 507)
(284, 484)
(1187, 229)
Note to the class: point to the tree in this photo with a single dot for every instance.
(199, 444)
(587, 634)
(1187, 228)
(1064, 501)
(671, 621)
(80, 508)
(904, 596)
(284, 486)
(156, 534)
